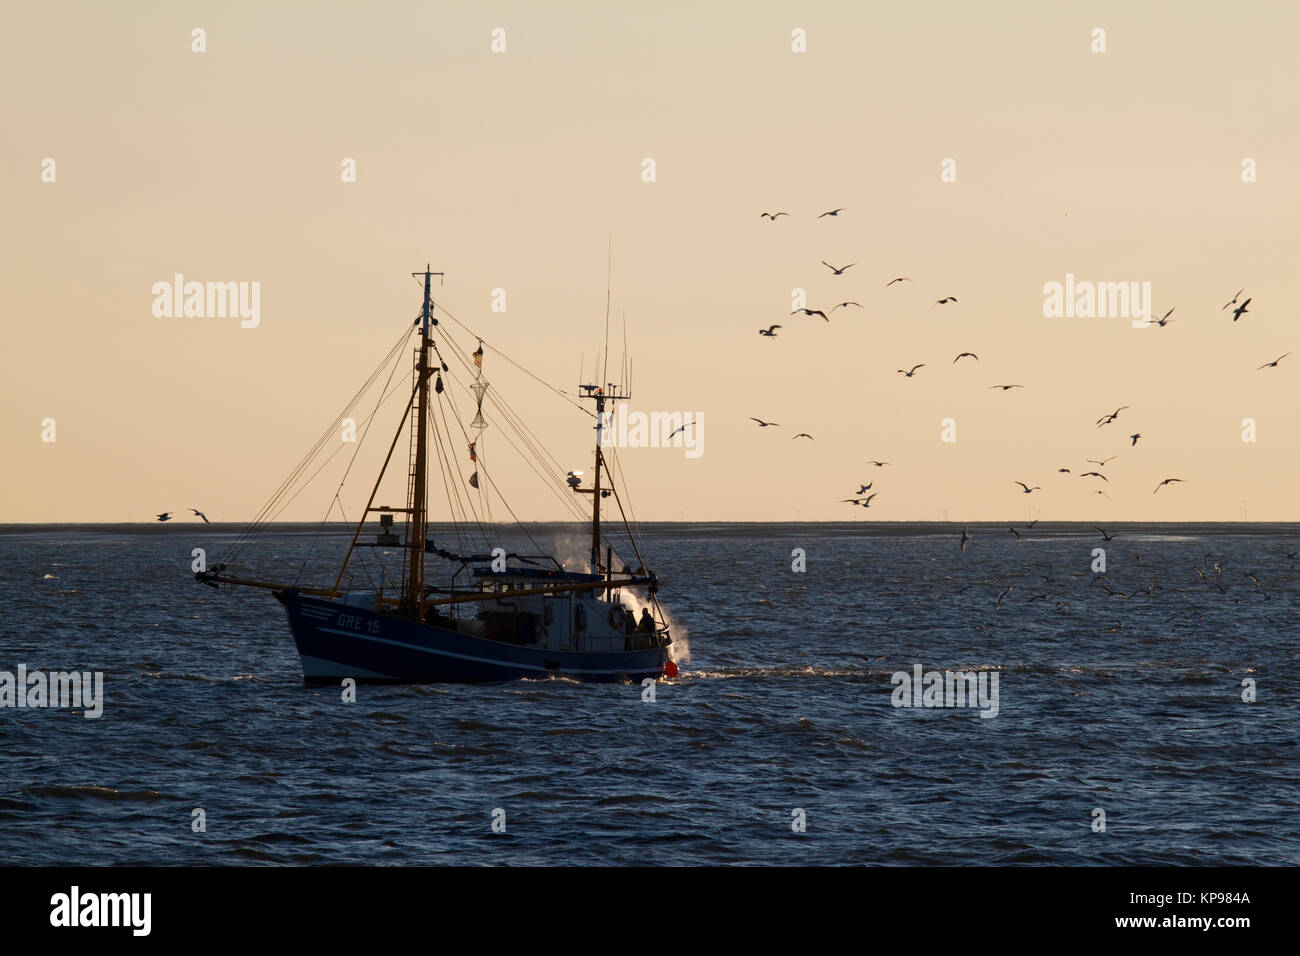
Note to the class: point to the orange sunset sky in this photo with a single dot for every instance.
(511, 170)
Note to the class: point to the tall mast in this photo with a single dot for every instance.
(419, 517)
(600, 395)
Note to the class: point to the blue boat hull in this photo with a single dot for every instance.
(337, 640)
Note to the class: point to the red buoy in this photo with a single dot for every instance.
(670, 669)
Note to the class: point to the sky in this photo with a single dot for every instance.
(518, 169)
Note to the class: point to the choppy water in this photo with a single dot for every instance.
(1129, 704)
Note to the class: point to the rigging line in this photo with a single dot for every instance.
(303, 487)
(534, 444)
(384, 395)
(324, 437)
(521, 368)
(464, 434)
(259, 520)
(455, 504)
(482, 468)
(620, 475)
(609, 291)
(522, 433)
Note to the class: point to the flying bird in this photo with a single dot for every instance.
(1015, 532)
(964, 354)
(770, 331)
(1273, 364)
(863, 489)
(965, 536)
(165, 516)
(878, 464)
(1094, 474)
(1064, 470)
(899, 279)
(1028, 490)
(833, 212)
(1165, 482)
(772, 215)
(1031, 524)
(205, 517)
(1107, 419)
(1102, 463)
(803, 435)
(945, 300)
(913, 372)
(1104, 535)
(1005, 387)
(838, 272)
(763, 424)
(1165, 320)
(1135, 438)
(1100, 492)
(845, 305)
(681, 429)
(1234, 299)
(1240, 310)
(812, 312)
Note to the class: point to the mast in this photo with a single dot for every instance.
(609, 393)
(419, 515)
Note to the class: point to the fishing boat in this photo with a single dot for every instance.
(492, 614)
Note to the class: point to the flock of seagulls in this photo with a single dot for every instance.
(1238, 306)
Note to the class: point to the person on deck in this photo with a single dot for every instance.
(647, 622)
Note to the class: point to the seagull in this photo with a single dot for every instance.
(772, 215)
(763, 424)
(913, 372)
(1135, 438)
(1005, 387)
(1273, 364)
(1100, 492)
(770, 331)
(845, 305)
(1063, 470)
(205, 517)
(1102, 463)
(800, 435)
(1031, 524)
(1094, 474)
(899, 279)
(1028, 490)
(1015, 532)
(1240, 310)
(165, 516)
(1165, 320)
(682, 428)
(863, 489)
(866, 502)
(838, 272)
(1165, 482)
(878, 464)
(945, 300)
(1009, 589)
(1234, 299)
(1251, 575)
(1104, 535)
(965, 536)
(812, 312)
(964, 354)
(1107, 419)
(833, 212)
